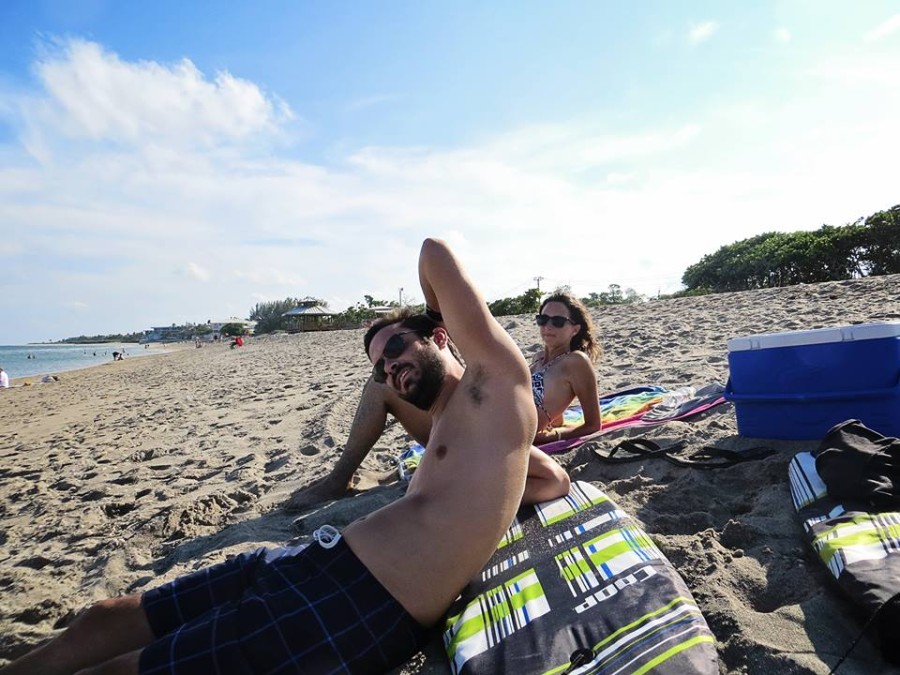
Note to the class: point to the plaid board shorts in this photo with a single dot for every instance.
(289, 610)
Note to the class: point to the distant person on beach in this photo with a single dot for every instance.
(545, 475)
(4, 379)
(366, 599)
(564, 369)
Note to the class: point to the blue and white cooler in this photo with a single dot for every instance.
(797, 385)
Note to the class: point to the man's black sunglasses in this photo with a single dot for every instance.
(393, 348)
(556, 321)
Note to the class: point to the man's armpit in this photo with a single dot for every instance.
(477, 383)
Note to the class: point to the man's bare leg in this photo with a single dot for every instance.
(106, 630)
(368, 424)
(127, 664)
(546, 478)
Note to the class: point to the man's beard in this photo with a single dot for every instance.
(423, 392)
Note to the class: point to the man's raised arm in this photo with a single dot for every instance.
(449, 292)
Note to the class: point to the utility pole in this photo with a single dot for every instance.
(401, 296)
(538, 281)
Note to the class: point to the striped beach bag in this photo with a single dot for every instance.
(847, 493)
(576, 586)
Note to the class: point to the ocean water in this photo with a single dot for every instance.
(60, 358)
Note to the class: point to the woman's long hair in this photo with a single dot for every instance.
(584, 340)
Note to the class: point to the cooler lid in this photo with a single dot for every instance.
(797, 338)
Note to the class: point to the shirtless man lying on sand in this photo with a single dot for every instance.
(363, 602)
(546, 478)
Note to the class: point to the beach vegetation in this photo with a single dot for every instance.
(232, 329)
(354, 317)
(371, 301)
(268, 315)
(201, 329)
(614, 295)
(102, 339)
(527, 303)
(869, 246)
(685, 293)
(530, 301)
(362, 314)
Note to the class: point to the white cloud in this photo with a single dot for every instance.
(883, 30)
(270, 277)
(197, 272)
(94, 95)
(863, 71)
(367, 102)
(782, 35)
(701, 32)
(620, 178)
(9, 248)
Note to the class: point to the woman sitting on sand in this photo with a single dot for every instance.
(564, 369)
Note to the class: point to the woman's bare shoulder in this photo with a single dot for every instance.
(578, 359)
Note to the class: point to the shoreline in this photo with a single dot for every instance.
(26, 380)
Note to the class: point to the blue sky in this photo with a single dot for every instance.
(171, 162)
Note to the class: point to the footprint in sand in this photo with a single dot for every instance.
(37, 562)
(116, 509)
(34, 615)
(276, 464)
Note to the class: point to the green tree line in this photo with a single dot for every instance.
(268, 315)
(869, 246)
(530, 301)
(99, 339)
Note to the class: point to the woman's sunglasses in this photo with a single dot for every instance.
(393, 348)
(555, 321)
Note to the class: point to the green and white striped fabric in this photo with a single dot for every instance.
(576, 586)
(860, 548)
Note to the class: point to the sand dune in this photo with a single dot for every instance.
(119, 477)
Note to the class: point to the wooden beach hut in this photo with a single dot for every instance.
(307, 316)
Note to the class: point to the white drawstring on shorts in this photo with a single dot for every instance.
(327, 536)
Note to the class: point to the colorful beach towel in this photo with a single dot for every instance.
(409, 460)
(640, 407)
(576, 586)
(846, 494)
(645, 406)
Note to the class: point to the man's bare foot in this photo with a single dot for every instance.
(322, 490)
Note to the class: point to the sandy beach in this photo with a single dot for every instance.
(119, 477)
